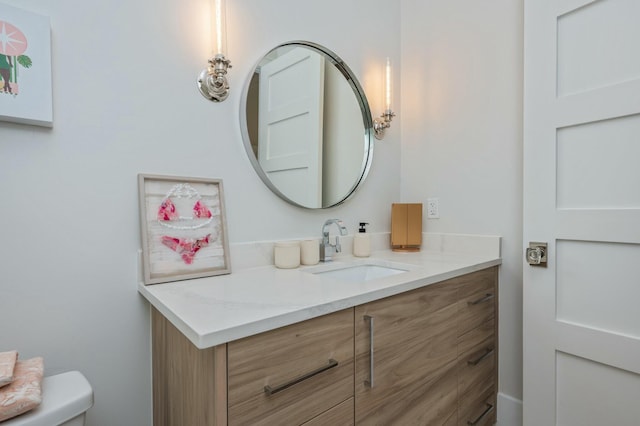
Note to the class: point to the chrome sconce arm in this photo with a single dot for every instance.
(382, 123)
(212, 81)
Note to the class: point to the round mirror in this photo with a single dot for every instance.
(307, 125)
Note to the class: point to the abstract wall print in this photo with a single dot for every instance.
(183, 228)
(25, 67)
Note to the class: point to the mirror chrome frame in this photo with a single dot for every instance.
(362, 102)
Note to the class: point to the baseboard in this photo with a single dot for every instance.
(509, 411)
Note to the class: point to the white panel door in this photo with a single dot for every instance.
(582, 196)
(290, 124)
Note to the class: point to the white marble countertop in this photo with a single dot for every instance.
(215, 310)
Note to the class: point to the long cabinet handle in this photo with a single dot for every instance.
(485, 298)
(270, 391)
(477, 361)
(482, 416)
(370, 381)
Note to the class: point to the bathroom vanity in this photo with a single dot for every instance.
(269, 346)
(397, 338)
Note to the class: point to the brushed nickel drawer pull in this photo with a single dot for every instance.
(370, 381)
(482, 416)
(270, 391)
(481, 357)
(486, 298)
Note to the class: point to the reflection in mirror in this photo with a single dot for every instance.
(307, 126)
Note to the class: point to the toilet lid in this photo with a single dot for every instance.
(64, 396)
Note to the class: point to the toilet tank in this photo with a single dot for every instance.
(65, 399)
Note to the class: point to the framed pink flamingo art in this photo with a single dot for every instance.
(25, 67)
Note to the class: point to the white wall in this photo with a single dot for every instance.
(462, 136)
(125, 102)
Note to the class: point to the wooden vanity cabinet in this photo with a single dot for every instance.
(434, 363)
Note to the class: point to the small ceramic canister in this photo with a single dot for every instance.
(286, 254)
(309, 252)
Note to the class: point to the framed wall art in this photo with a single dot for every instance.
(184, 233)
(25, 67)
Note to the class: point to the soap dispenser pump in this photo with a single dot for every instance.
(361, 242)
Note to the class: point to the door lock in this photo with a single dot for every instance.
(537, 254)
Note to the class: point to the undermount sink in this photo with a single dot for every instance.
(360, 272)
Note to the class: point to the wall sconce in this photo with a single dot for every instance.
(383, 122)
(212, 81)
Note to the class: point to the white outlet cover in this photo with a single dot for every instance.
(433, 210)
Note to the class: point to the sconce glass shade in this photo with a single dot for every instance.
(382, 123)
(212, 81)
(219, 27)
(387, 86)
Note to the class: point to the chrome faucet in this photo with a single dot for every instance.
(326, 248)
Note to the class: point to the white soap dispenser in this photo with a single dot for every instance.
(361, 242)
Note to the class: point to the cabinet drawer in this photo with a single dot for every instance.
(340, 415)
(477, 358)
(478, 408)
(479, 338)
(288, 376)
(477, 295)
